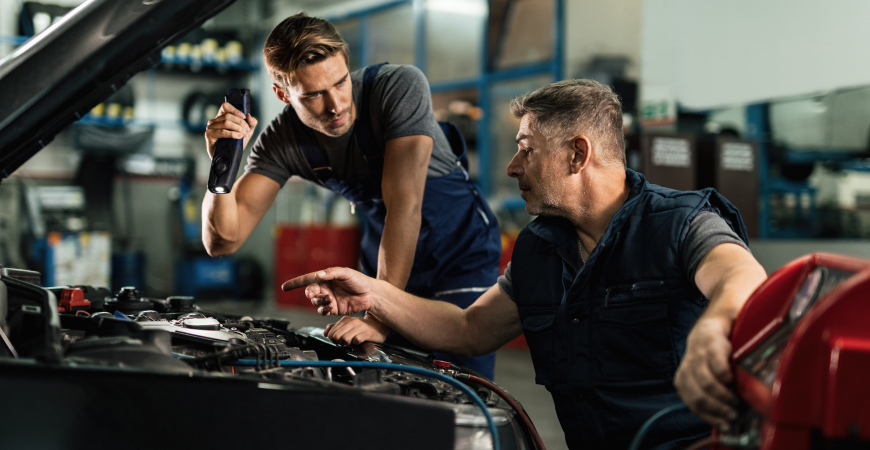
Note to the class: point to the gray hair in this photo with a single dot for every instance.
(562, 109)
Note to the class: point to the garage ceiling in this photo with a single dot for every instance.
(319, 5)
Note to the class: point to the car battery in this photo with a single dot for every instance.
(802, 358)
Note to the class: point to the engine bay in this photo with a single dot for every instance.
(85, 328)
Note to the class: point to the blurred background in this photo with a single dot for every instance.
(769, 102)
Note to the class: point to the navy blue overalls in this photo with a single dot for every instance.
(459, 245)
(606, 336)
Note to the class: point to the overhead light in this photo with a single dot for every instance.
(464, 7)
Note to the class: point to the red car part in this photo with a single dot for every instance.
(73, 300)
(802, 358)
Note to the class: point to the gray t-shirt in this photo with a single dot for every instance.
(401, 106)
(706, 231)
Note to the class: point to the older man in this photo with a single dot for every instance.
(606, 284)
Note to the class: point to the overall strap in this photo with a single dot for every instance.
(364, 134)
(456, 141)
(316, 157)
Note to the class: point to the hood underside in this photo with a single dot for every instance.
(58, 76)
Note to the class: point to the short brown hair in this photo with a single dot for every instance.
(561, 109)
(298, 41)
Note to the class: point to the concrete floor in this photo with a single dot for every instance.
(513, 368)
(514, 373)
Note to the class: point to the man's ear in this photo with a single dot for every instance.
(282, 96)
(582, 153)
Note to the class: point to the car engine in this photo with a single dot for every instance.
(83, 331)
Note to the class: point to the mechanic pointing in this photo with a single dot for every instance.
(370, 136)
(614, 284)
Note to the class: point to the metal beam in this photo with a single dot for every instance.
(757, 129)
(367, 11)
(558, 41)
(420, 35)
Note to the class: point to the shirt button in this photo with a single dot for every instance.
(575, 321)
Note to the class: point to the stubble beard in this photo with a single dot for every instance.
(323, 127)
(546, 204)
(322, 124)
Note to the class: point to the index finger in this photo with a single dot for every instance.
(300, 281)
(228, 108)
(332, 273)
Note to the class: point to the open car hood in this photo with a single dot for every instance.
(58, 76)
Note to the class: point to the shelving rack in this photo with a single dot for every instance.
(211, 68)
(758, 128)
(483, 83)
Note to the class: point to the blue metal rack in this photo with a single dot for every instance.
(482, 83)
(13, 40)
(757, 128)
(805, 216)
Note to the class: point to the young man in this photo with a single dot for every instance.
(606, 284)
(370, 136)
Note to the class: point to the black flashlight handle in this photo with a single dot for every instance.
(228, 152)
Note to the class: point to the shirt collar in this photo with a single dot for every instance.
(557, 230)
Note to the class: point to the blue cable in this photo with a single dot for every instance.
(376, 365)
(644, 429)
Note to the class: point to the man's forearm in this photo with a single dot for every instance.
(727, 275)
(228, 219)
(399, 244)
(734, 289)
(433, 325)
(220, 223)
(406, 160)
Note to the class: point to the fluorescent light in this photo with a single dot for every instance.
(464, 7)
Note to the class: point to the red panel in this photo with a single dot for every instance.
(804, 369)
(825, 365)
(848, 392)
(783, 438)
(753, 391)
(767, 304)
(300, 250)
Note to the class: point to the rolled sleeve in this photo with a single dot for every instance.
(506, 284)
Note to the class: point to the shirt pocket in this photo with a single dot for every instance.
(634, 336)
(539, 324)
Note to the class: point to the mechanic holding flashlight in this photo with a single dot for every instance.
(618, 285)
(370, 136)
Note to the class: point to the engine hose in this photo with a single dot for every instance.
(397, 367)
(644, 429)
(530, 427)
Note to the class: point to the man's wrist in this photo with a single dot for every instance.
(377, 297)
(722, 311)
(375, 321)
(716, 320)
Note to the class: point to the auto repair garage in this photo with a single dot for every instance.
(445, 224)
